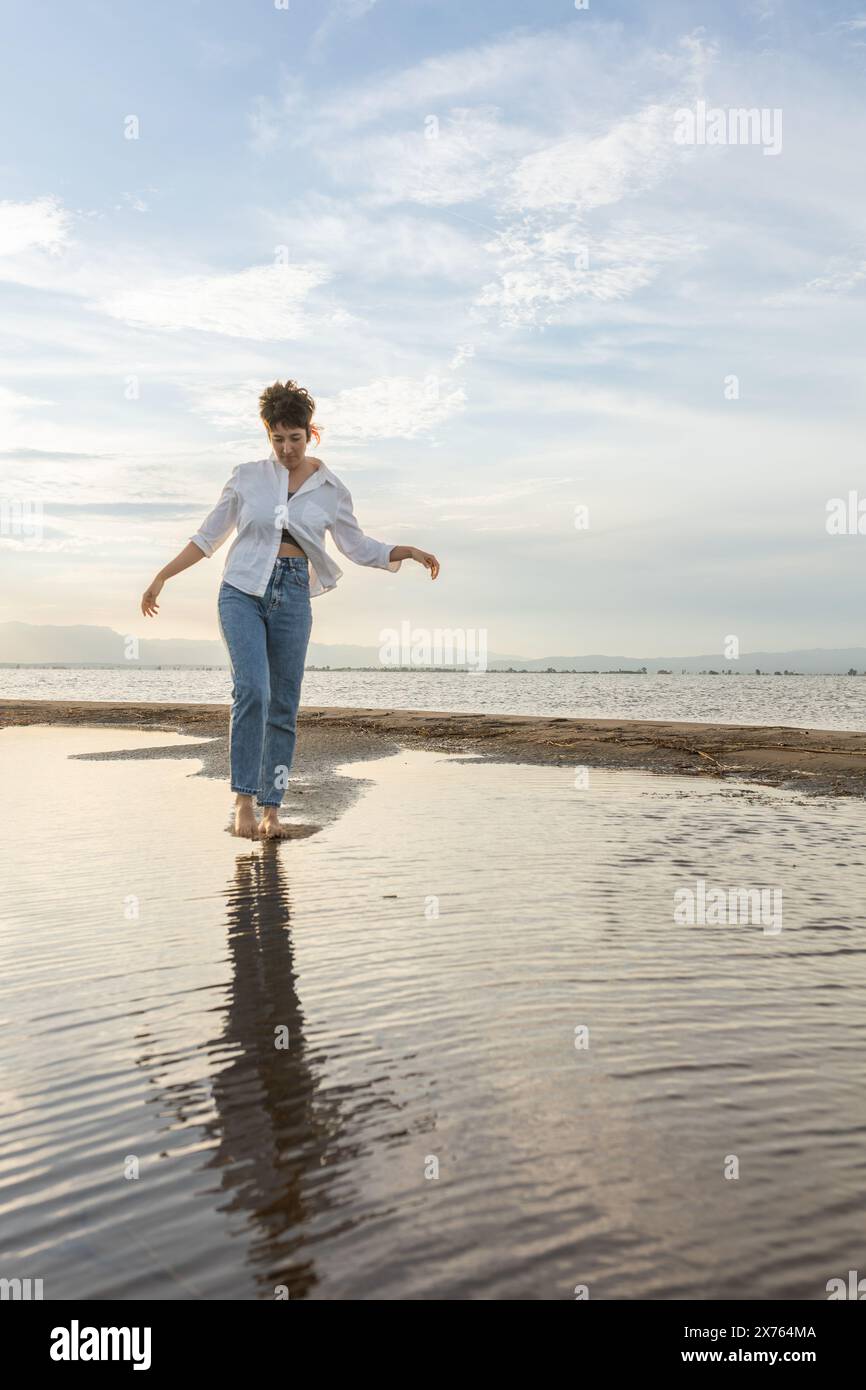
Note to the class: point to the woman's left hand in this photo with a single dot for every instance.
(425, 558)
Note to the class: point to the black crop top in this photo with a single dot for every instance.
(287, 535)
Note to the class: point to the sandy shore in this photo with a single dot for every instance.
(819, 760)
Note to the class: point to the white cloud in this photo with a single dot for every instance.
(43, 224)
(543, 268)
(15, 407)
(376, 245)
(81, 545)
(230, 407)
(261, 302)
(526, 178)
(464, 352)
(459, 158)
(390, 407)
(506, 64)
(341, 12)
(847, 277)
(584, 173)
(264, 123)
(134, 201)
(387, 407)
(514, 493)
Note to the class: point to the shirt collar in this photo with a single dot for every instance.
(322, 474)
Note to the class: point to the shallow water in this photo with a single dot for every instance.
(148, 960)
(801, 702)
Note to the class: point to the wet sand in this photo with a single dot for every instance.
(823, 761)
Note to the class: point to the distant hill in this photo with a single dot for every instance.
(83, 645)
(809, 661)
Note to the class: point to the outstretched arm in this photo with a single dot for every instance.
(208, 538)
(364, 550)
(190, 555)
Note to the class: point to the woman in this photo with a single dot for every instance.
(281, 506)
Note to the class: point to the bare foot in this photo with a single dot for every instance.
(272, 827)
(245, 822)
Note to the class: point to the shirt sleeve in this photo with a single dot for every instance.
(221, 521)
(351, 541)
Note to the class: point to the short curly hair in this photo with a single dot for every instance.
(288, 404)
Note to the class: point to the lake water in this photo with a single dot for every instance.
(810, 702)
(510, 1071)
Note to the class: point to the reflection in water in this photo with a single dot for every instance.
(277, 1139)
(277, 1136)
(432, 1131)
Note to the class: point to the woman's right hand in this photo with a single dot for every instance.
(149, 605)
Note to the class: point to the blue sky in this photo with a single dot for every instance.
(472, 232)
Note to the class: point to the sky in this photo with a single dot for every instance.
(604, 361)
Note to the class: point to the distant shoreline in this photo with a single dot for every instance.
(426, 670)
(828, 762)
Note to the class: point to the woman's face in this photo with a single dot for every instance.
(289, 443)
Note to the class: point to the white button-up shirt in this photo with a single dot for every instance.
(255, 500)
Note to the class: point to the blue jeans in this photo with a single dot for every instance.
(266, 639)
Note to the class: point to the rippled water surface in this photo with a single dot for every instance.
(803, 702)
(431, 1130)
